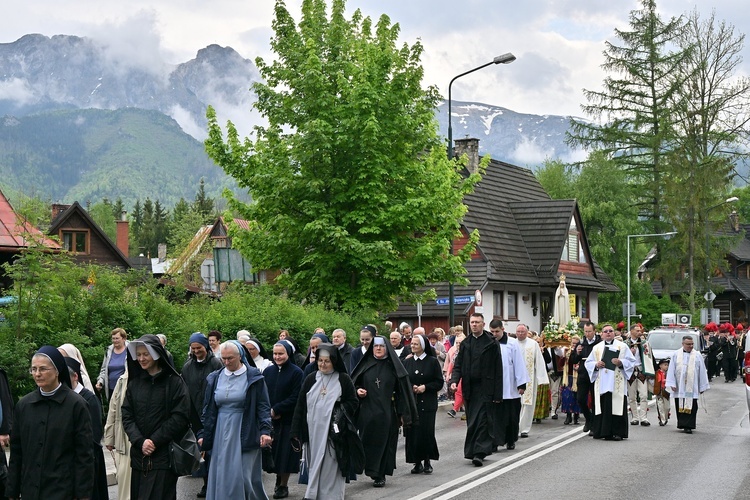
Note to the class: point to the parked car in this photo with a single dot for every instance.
(665, 340)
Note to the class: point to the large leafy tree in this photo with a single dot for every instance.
(353, 196)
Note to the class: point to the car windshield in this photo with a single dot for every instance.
(669, 340)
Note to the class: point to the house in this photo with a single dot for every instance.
(17, 235)
(79, 234)
(731, 284)
(527, 240)
(210, 263)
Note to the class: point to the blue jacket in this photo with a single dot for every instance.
(256, 419)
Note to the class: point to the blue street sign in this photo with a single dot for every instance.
(461, 299)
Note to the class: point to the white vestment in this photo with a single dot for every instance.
(514, 369)
(536, 370)
(614, 381)
(690, 383)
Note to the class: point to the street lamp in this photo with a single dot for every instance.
(663, 235)
(501, 59)
(709, 293)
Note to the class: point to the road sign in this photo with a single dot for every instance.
(709, 296)
(461, 299)
(625, 309)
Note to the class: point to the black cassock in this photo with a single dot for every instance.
(605, 424)
(100, 469)
(378, 419)
(420, 438)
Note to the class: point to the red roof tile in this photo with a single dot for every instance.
(15, 233)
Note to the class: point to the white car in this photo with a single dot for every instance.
(665, 341)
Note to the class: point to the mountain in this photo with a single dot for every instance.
(83, 120)
(89, 154)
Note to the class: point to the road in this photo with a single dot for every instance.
(561, 462)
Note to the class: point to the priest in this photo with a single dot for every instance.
(610, 365)
(507, 413)
(536, 370)
(687, 379)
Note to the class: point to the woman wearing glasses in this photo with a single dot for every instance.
(155, 412)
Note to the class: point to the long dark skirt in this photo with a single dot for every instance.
(159, 484)
(569, 401)
(607, 425)
(478, 428)
(380, 449)
(101, 490)
(420, 439)
(285, 459)
(686, 420)
(505, 419)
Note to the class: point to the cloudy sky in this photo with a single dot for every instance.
(558, 43)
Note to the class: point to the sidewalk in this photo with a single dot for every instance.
(108, 461)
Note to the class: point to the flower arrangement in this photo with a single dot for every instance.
(560, 335)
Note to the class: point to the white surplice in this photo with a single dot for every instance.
(536, 371)
(677, 375)
(514, 369)
(614, 381)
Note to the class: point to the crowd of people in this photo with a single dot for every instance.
(335, 412)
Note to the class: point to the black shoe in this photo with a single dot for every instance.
(202, 492)
(427, 468)
(281, 492)
(568, 419)
(645, 423)
(417, 469)
(524, 434)
(575, 420)
(591, 433)
(511, 446)
(452, 413)
(586, 426)
(688, 431)
(537, 420)
(379, 482)
(477, 461)
(554, 417)
(616, 438)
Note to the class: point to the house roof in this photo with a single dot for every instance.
(192, 249)
(76, 209)
(16, 234)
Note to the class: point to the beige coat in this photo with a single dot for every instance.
(114, 435)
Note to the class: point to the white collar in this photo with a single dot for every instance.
(78, 388)
(422, 356)
(242, 369)
(51, 393)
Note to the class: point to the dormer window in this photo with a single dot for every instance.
(75, 241)
(573, 249)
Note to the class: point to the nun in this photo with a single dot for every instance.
(321, 391)
(257, 354)
(51, 455)
(71, 351)
(386, 403)
(284, 381)
(426, 379)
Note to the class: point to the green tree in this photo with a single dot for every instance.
(117, 208)
(136, 227)
(203, 204)
(353, 196)
(633, 115)
(182, 226)
(101, 212)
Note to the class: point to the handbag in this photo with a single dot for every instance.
(185, 455)
(268, 464)
(304, 471)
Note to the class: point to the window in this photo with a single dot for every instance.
(512, 305)
(75, 241)
(573, 249)
(497, 304)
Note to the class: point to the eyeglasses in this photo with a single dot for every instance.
(40, 369)
(608, 330)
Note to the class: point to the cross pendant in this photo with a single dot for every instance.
(377, 382)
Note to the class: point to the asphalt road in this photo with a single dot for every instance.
(559, 461)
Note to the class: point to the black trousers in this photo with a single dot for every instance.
(585, 388)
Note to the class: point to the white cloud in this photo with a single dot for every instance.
(18, 90)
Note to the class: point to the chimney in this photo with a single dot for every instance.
(470, 147)
(162, 251)
(57, 209)
(122, 233)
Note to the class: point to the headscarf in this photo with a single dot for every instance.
(243, 352)
(155, 349)
(288, 347)
(73, 352)
(58, 361)
(370, 329)
(201, 339)
(75, 366)
(336, 360)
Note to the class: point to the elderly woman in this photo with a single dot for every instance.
(156, 411)
(257, 354)
(386, 403)
(236, 425)
(71, 351)
(321, 391)
(283, 380)
(426, 379)
(114, 361)
(50, 453)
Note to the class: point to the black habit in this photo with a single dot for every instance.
(284, 383)
(420, 438)
(100, 490)
(479, 367)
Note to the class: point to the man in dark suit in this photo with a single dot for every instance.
(338, 338)
(585, 387)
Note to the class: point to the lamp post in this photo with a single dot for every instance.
(709, 293)
(663, 235)
(501, 59)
